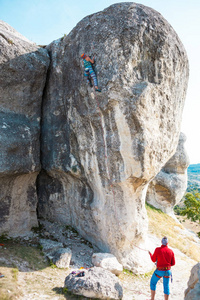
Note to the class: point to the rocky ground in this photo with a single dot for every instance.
(42, 281)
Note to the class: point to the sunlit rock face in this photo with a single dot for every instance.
(193, 290)
(170, 184)
(23, 68)
(100, 151)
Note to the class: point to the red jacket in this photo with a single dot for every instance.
(164, 257)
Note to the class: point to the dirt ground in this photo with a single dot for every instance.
(30, 276)
(192, 226)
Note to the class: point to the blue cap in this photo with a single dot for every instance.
(164, 241)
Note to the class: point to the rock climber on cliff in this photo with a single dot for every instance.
(87, 61)
(165, 259)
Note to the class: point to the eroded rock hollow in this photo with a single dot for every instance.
(99, 152)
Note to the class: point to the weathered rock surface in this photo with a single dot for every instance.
(49, 246)
(55, 252)
(62, 257)
(23, 68)
(98, 162)
(96, 283)
(108, 262)
(98, 152)
(169, 186)
(193, 290)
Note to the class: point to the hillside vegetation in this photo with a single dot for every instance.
(193, 178)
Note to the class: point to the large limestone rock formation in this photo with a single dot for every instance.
(169, 186)
(23, 69)
(100, 152)
(193, 290)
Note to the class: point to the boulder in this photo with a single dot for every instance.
(169, 186)
(107, 261)
(96, 283)
(100, 152)
(55, 252)
(23, 69)
(193, 290)
(62, 257)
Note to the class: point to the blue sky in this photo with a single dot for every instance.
(43, 21)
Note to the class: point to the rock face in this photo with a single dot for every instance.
(169, 186)
(99, 152)
(96, 283)
(193, 290)
(23, 68)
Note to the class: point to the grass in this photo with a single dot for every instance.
(33, 256)
(16, 256)
(40, 277)
(170, 228)
(52, 265)
(128, 272)
(27, 271)
(15, 273)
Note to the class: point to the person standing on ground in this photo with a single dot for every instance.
(87, 61)
(164, 257)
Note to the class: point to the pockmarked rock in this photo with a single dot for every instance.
(193, 290)
(107, 261)
(23, 69)
(96, 283)
(100, 152)
(170, 184)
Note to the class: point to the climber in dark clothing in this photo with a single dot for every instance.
(87, 61)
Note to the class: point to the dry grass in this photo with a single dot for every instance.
(160, 224)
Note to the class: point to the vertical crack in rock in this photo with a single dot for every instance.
(143, 73)
(23, 67)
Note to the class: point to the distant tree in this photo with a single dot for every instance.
(192, 206)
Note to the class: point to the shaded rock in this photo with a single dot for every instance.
(98, 162)
(193, 290)
(49, 245)
(96, 283)
(107, 261)
(23, 69)
(169, 186)
(61, 258)
(18, 202)
(55, 252)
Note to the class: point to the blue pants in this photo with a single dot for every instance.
(166, 277)
(90, 71)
